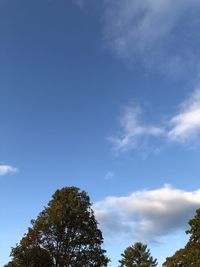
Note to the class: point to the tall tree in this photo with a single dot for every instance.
(64, 234)
(137, 255)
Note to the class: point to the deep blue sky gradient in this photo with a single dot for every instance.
(61, 93)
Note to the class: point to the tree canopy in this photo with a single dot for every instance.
(137, 255)
(64, 234)
(194, 230)
(185, 257)
(190, 254)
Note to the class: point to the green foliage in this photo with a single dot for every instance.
(30, 256)
(137, 255)
(194, 230)
(186, 257)
(178, 259)
(10, 264)
(190, 254)
(65, 233)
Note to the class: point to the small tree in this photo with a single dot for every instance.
(137, 255)
(65, 233)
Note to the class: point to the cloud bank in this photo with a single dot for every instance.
(6, 169)
(147, 215)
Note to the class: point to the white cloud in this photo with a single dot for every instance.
(133, 130)
(186, 124)
(149, 214)
(6, 169)
(182, 127)
(157, 33)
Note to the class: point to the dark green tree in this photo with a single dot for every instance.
(179, 259)
(25, 256)
(194, 230)
(185, 257)
(137, 255)
(190, 254)
(65, 234)
(10, 264)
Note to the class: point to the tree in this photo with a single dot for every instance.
(137, 255)
(190, 254)
(30, 257)
(187, 256)
(10, 264)
(194, 230)
(64, 234)
(179, 259)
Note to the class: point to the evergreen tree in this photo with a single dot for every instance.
(137, 255)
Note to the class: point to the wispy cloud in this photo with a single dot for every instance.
(182, 127)
(186, 124)
(133, 130)
(147, 215)
(79, 3)
(160, 34)
(7, 169)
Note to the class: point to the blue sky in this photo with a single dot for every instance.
(103, 95)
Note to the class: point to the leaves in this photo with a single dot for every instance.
(137, 255)
(190, 254)
(65, 233)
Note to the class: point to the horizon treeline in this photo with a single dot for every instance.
(66, 234)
